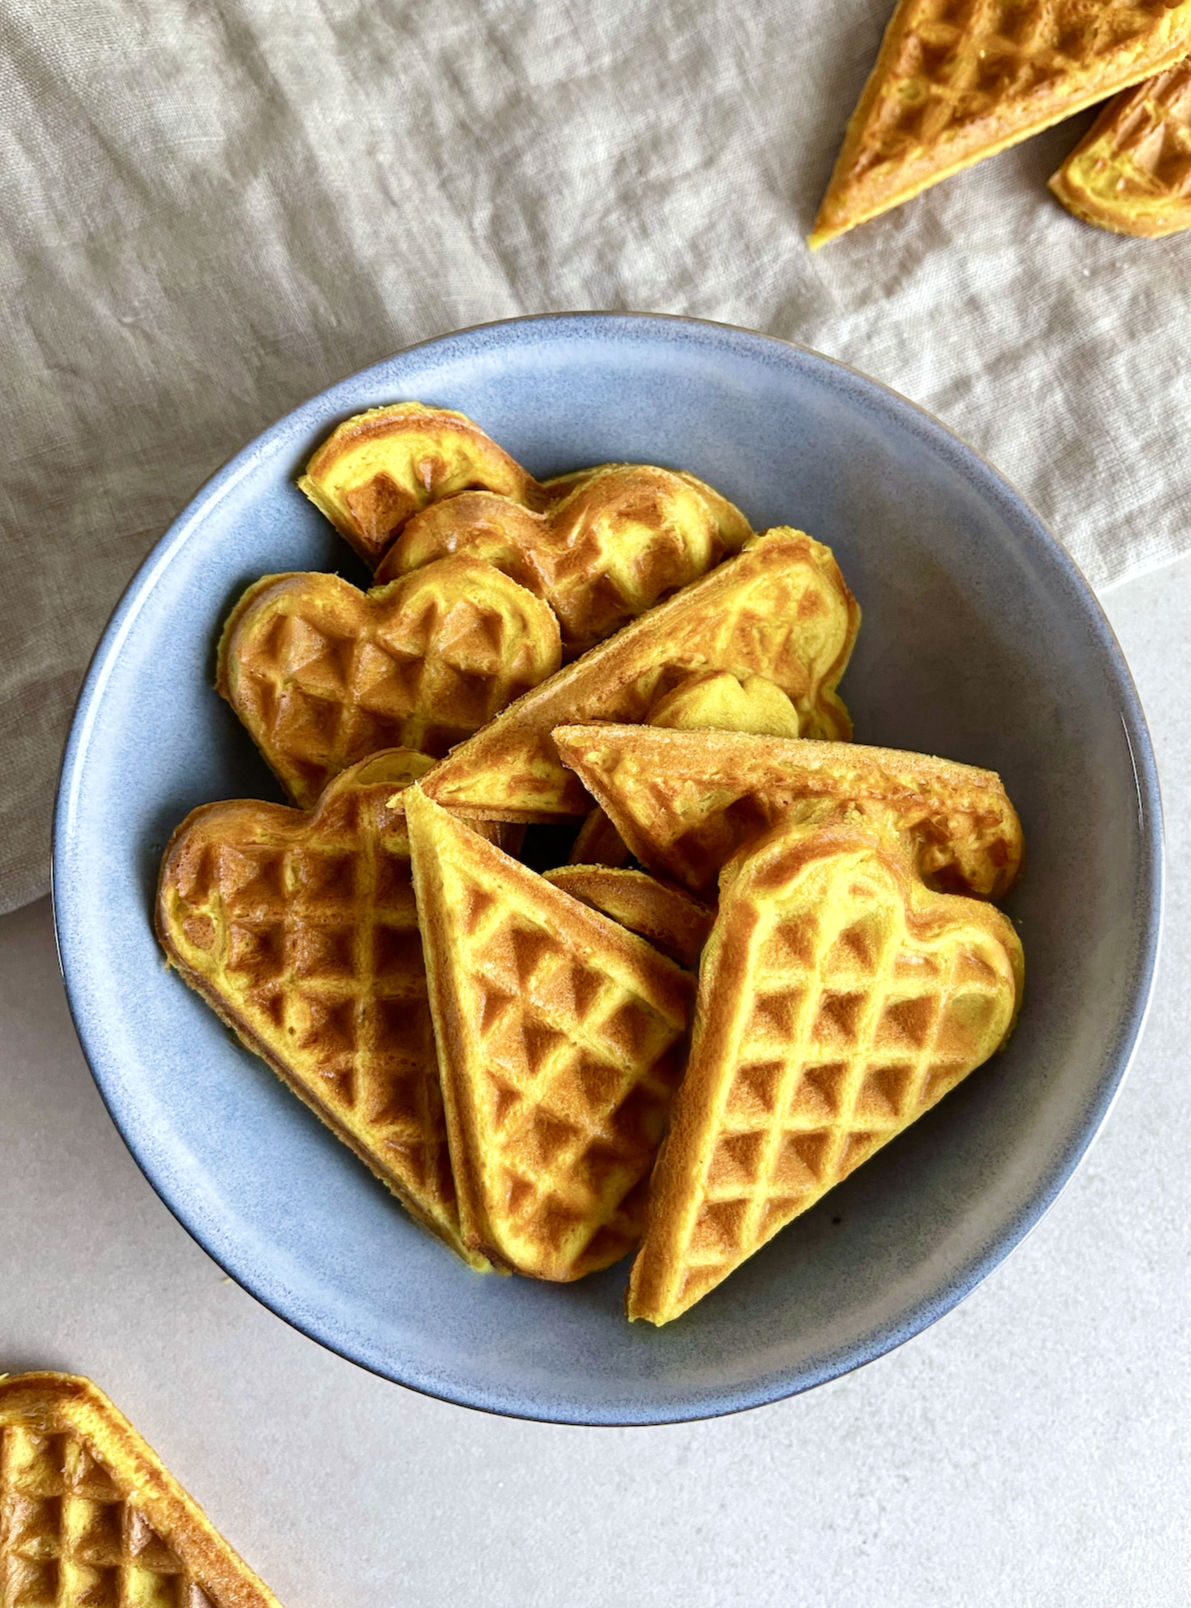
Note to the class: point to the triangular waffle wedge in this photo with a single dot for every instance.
(667, 916)
(378, 469)
(958, 80)
(626, 535)
(685, 801)
(1132, 171)
(778, 609)
(839, 999)
(561, 1037)
(323, 674)
(89, 1516)
(300, 929)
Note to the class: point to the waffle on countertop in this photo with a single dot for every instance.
(623, 537)
(1132, 171)
(685, 801)
(300, 929)
(839, 998)
(89, 1517)
(322, 674)
(958, 80)
(560, 1039)
(779, 609)
(378, 469)
(667, 916)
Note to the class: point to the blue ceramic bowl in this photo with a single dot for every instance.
(980, 641)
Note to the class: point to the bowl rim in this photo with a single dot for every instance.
(324, 409)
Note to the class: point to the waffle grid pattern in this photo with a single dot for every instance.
(845, 1028)
(325, 675)
(1142, 153)
(961, 60)
(565, 1037)
(309, 936)
(68, 1539)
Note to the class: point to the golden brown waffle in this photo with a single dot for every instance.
(716, 700)
(90, 1518)
(322, 674)
(779, 609)
(838, 1000)
(561, 1038)
(378, 469)
(685, 802)
(301, 931)
(957, 80)
(626, 535)
(1132, 171)
(598, 843)
(667, 916)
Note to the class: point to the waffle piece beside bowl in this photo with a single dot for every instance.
(1131, 173)
(960, 80)
(90, 1516)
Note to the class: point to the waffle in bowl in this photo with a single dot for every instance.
(959, 80)
(779, 608)
(89, 1515)
(322, 674)
(839, 999)
(1131, 173)
(300, 930)
(560, 1037)
(665, 915)
(378, 469)
(685, 802)
(624, 536)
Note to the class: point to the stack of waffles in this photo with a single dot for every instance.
(959, 80)
(770, 950)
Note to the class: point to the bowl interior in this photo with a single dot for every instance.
(980, 642)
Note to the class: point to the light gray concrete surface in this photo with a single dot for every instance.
(1032, 1448)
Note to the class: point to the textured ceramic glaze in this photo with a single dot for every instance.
(980, 642)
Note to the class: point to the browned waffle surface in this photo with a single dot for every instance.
(957, 80)
(378, 469)
(89, 1517)
(839, 998)
(1132, 172)
(323, 674)
(300, 929)
(667, 916)
(561, 1038)
(685, 801)
(625, 536)
(778, 609)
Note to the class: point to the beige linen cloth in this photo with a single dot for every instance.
(213, 208)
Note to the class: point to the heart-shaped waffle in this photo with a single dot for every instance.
(685, 801)
(625, 536)
(90, 1516)
(839, 998)
(300, 929)
(323, 674)
(380, 468)
(561, 1037)
(779, 609)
